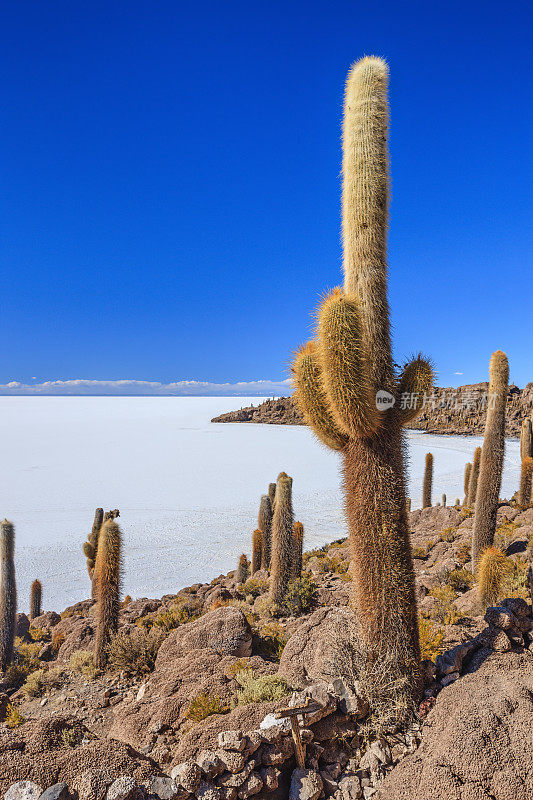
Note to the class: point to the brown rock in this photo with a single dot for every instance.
(306, 784)
(224, 630)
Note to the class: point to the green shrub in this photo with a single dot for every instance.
(205, 705)
(82, 661)
(255, 587)
(258, 688)
(445, 612)
(13, 717)
(300, 596)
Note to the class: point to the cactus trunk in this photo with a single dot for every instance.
(243, 568)
(427, 485)
(526, 439)
(492, 455)
(282, 522)
(297, 550)
(468, 472)
(107, 577)
(257, 551)
(35, 599)
(264, 523)
(474, 478)
(8, 594)
(526, 476)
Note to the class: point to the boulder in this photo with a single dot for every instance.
(224, 630)
(306, 784)
(24, 790)
(123, 788)
(321, 649)
(477, 743)
(46, 621)
(59, 791)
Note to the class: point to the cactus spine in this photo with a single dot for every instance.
(35, 599)
(264, 523)
(243, 569)
(493, 567)
(427, 485)
(257, 551)
(474, 478)
(526, 476)
(297, 550)
(526, 439)
(8, 594)
(282, 521)
(107, 577)
(343, 381)
(492, 454)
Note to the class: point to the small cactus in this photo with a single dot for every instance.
(444, 501)
(35, 599)
(282, 521)
(107, 576)
(526, 476)
(297, 550)
(8, 594)
(428, 482)
(243, 569)
(492, 569)
(492, 455)
(257, 550)
(264, 523)
(474, 477)
(526, 439)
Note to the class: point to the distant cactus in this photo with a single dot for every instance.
(8, 594)
(107, 574)
(351, 397)
(272, 493)
(282, 521)
(243, 569)
(264, 523)
(35, 599)
(457, 503)
(427, 485)
(526, 477)
(492, 569)
(444, 501)
(490, 470)
(257, 551)
(468, 472)
(474, 478)
(297, 550)
(526, 439)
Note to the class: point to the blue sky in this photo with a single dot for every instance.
(170, 204)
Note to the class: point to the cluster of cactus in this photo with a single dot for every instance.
(8, 594)
(492, 456)
(351, 397)
(427, 485)
(107, 577)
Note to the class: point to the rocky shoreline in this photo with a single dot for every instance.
(450, 412)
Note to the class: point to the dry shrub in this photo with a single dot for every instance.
(205, 705)
(300, 596)
(431, 639)
(259, 688)
(82, 661)
(13, 717)
(445, 612)
(134, 652)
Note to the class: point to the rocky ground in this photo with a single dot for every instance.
(454, 412)
(187, 708)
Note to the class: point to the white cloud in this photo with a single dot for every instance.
(83, 386)
(458, 373)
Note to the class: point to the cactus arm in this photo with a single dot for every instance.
(311, 398)
(344, 366)
(415, 382)
(365, 188)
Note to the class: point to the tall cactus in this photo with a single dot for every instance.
(8, 594)
(427, 485)
(243, 569)
(297, 550)
(474, 478)
(264, 523)
(36, 597)
(257, 550)
(526, 439)
(107, 576)
(468, 472)
(272, 494)
(350, 396)
(492, 454)
(526, 476)
(282, 521)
